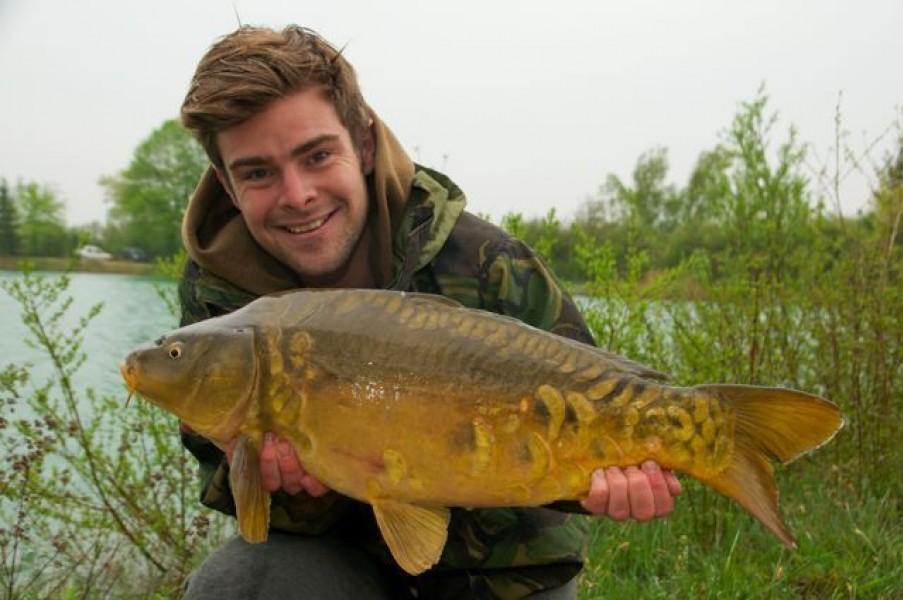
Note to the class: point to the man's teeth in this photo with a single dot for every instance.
(306, 227)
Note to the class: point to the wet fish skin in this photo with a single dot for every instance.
(414, 404)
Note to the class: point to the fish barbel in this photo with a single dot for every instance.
(414, 404)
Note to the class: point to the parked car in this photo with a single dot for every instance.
(90, 252)
(133, 253)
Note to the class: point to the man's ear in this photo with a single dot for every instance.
(227, 185)
(368, 149)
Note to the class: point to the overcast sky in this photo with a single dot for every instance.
(527, 105)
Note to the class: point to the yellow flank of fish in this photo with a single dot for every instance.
(601, 389)
(395, 466)
(553, 403)
(589, 374)
(538, 456)
(482, 447)
(415, 404)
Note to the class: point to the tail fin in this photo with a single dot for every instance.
(771, 424)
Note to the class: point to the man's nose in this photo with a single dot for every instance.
(297, 189)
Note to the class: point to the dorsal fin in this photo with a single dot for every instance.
(630, 367)
(432, 298)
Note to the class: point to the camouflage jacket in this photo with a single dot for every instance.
(439, 249)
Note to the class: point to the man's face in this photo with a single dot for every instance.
(295, 176)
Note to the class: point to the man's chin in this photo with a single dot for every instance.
(319, 278)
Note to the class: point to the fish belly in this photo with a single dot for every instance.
(439, 445)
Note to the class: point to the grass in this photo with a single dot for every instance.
(849, 547)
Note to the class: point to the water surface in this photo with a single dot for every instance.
(133, 313)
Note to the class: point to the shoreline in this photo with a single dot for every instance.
(77, 265)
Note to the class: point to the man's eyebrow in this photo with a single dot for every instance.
(314, 142)
(256, 161)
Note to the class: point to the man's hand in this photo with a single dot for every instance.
(642, 493)
(280, 468)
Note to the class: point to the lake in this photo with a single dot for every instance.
(133, 313)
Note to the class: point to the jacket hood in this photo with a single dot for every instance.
(217, 239)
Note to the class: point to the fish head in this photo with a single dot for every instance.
(205, 374)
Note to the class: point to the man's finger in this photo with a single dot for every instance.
(673, 482)
(663, 502)
(313, 486)
(290, 470)
(618, 494)
(639, 489)
(596, 502)
(270, 478)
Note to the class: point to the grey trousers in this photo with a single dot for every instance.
(290, 566)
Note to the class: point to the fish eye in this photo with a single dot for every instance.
(175, 351)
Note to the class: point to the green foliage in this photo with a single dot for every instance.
(42, 225)
(741, 194)
(95, 500)
(9, 222)
(742, 277)
(149, 197)
(794, 298)
(650, 203)
(170, 268)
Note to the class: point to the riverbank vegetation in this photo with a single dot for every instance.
(746, 274)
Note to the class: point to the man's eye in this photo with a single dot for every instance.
(256, 174)
(318, 157)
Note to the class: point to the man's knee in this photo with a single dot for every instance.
(288, 566)
(566, 592)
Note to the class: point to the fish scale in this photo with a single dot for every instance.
(415, 404)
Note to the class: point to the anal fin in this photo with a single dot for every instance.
(416, 535)
(252, 502)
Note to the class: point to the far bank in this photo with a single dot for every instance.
(57, 264)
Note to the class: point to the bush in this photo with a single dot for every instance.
(95, 501)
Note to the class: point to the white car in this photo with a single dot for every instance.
(89, 252)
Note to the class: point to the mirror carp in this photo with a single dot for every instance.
(414, 404)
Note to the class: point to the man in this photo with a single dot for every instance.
(308, 188)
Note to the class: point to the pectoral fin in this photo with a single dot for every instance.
(252, 502)
(416, 535)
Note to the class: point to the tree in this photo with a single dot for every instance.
(42, 228)
(648, 201)
(149, 197)
(767, 211)
(9, 222)
(709, 184)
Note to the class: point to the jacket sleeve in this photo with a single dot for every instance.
(482, 266)
(516, 282)
(201, 297)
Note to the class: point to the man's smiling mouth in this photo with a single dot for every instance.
(307, 227)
